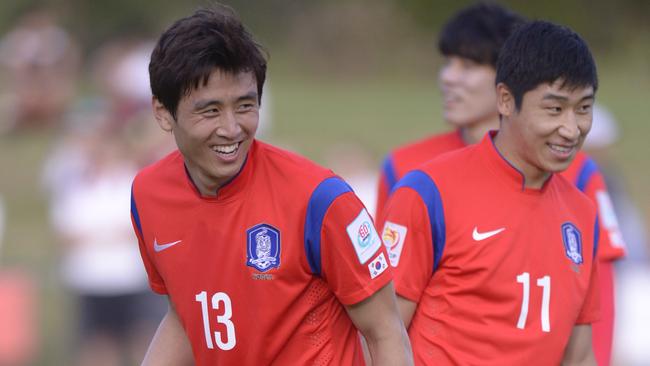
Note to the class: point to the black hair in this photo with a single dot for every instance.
(477, 32)
(542, 52)
(193, 47)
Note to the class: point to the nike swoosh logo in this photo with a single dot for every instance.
(160, 247)
(482, 236)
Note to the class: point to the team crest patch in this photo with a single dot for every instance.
(364, 237)
(572, 242)
(393, 236)
(263, 247)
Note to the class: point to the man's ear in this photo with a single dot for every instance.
(162, 115)
(505, 100)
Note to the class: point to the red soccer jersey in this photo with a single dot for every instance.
(259, 274)
(583, 171)
(501, 273)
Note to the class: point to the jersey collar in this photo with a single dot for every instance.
(503, 168)
(235, 186)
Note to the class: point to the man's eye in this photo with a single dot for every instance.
(211, 111)
(585, 108)
(554, 110)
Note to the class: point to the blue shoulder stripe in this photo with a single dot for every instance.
(321, 199)
(428, 191)
(596, 235)
(587, 170)
(389, 172)
(134, 212)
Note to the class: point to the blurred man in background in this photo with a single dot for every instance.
(470, 43)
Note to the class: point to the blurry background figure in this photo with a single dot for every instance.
(355, 165)
(39, 64)
(17, 301)
(89, 178)
(632, 273)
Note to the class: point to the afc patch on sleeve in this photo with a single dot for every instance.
(393, 236)
(377, 266)
(364, 237)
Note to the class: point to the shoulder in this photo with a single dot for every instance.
(432, 145)
(572, 195)
(287, 166)
(289, 163)
(409, 156)
(165, 171)
(447, 166)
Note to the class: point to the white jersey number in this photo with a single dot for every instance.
(219, 300)
(545, 284)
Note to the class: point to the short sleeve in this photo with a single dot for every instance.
(406, 233)
(353, 261)
(155, 280)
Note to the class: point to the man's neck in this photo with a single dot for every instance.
(506, 145)
(473, 133)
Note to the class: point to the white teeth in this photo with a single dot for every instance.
(225, 149)
(561, 149)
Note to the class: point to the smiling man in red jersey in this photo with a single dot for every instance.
(496, 264)
(470, 43)
(266, 258)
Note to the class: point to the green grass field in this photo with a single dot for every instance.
(309, 115)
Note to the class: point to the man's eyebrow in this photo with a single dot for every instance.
(251, 95)
(587, 97)
(550, 96)
(562, 98)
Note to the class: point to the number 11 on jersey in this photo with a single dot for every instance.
(545, 284)
(218, 299)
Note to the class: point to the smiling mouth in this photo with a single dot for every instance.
(562, 150)
(226, 150)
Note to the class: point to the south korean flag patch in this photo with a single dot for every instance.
(378, 265)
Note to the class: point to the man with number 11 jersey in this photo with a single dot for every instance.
(493, 251)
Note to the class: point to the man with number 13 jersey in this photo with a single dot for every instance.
(266, 258)
(259, 270)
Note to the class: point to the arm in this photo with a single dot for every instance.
(170, 345)
(579, 351)
(406, 310)
(378, 321)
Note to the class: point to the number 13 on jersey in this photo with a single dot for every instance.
(220, 300)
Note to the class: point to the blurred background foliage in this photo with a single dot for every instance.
(355, 72)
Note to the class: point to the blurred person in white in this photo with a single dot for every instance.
(354, 164)
(39, 65)
(89, 177)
